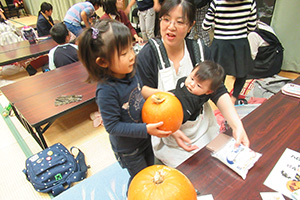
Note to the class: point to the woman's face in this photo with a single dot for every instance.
(119, 4)
(174, 27)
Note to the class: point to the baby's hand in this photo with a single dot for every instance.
(152, 129)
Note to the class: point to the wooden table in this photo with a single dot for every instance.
(23, 50)
(272, 127)
(33, 98)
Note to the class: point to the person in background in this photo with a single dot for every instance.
(232, 21)
(197, 30)
(106, 52)
(18, 3)
(45, 21)
(176, 20)
(146, 13)
(80, 12)
(111, 12)
(2, 14)
(64, 53)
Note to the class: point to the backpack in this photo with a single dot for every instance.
(55, 169)
(269, 58)
(195, 48)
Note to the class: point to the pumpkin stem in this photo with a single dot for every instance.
(156, 99)
(158, 177)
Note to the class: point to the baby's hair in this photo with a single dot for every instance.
(102, 41)
(209, 70)
(59, 33)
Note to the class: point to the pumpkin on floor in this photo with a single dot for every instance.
(163, 106)
(159, 182)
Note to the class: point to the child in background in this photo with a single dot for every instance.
(232, 20)
(111, 12)
(64, 53)
(146, 13)
(106, 52)
(45, 21)
(80, 12)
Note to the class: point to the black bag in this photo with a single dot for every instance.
(201, 3)
(54, 169)
(268, 60)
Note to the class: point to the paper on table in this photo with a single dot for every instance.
(285, 176)
(271, 196)
(205, 197)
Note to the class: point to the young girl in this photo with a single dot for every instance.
(111, 11)
(106, 52)
(232, 19)
(45, 21)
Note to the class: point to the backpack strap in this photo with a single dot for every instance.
(82, 167)
(160, 53)
(76, 176)
(195, 48)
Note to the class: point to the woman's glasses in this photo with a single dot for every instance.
(179, 23)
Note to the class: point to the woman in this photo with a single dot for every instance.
(45, 21)
(176, 20)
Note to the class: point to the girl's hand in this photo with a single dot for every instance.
(152, 129)
(183, 141)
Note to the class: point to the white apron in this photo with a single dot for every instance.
(201, 131)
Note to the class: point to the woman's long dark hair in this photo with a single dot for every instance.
(109, 7)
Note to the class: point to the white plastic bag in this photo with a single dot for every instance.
(239, 159)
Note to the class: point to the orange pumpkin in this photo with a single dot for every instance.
(159, 182)
(163, 106)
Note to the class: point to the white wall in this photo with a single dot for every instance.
(286, 24)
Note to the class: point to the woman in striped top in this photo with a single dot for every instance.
(232, 21)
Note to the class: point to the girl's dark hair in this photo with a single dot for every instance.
(95, 2)
(106, 38)
(45, 7)
(188, 9)
(209, 70)
(109, 7)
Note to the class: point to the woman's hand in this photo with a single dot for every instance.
(183, 141)
(138, 39)
(152, 129)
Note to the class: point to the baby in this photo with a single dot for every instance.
(202, 84)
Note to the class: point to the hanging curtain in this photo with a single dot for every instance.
(60, 7)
